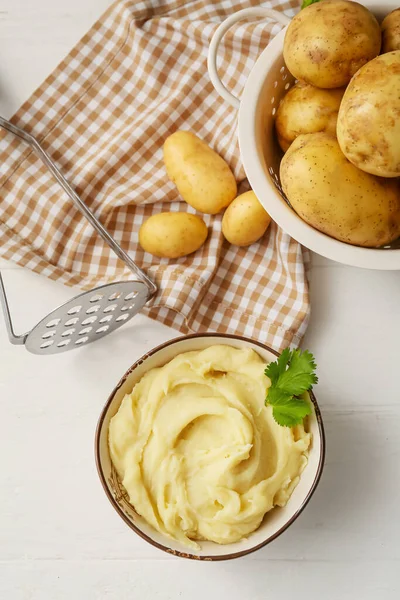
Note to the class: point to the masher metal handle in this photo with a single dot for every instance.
(16, 339)
(45, 158)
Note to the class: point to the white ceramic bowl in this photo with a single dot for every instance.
(268, 81)
(276, 521)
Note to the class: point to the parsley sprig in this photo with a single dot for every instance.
(292, 374)
(308, 3)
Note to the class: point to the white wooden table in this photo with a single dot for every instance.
(59, 536)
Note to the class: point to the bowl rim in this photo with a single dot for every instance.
(264, 188)
(136, 529)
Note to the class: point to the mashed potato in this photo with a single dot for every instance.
(197, 450)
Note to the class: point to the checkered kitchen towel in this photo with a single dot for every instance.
(137, 76)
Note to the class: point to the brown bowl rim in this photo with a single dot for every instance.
(141, 533)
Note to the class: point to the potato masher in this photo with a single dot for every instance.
(92, 314)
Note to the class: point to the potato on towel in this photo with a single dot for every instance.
(306, 109)
(172, 234)
(332, 195)
(245, 221)
(203, 178)
(368, 127)
(326, 43)
(391, 31)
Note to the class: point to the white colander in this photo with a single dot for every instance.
(267, 83)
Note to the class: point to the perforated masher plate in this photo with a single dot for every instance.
(87, 317)
(93, 314)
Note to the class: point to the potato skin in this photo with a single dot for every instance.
(368, 127)
(245, 221)
(335, 197)
(203, 178)
(326, 43)
(172, 234)
(306, 109)
(391, 31)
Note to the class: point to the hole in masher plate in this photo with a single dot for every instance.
(89, 320)
(68, 332)
(85, 330)
(63, 343)
(106, 319)
(131, 295)
(93, 309)
(110, 308)
(102, 329)
(70, 322)
(53, 323)
(127, 307)
(47, 344)
(122, 317)
(115, 296)
(48, 334)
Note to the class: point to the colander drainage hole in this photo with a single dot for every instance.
(82, 340)
(74, 310)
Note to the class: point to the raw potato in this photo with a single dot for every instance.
(368, 128)
(203, 178)
(332, 195)
(245, 221)
(172, 234)
(391, 31)
(306, 109)
(326, 43)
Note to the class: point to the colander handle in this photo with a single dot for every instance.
(258, 11)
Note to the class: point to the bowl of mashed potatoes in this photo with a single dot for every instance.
(192, 459)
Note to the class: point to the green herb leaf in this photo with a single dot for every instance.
(277, 368)
(291, 375)
(308, 3)
(292, 413)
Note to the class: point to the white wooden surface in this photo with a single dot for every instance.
(60, 538)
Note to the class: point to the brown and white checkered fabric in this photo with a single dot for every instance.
(138, 75)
